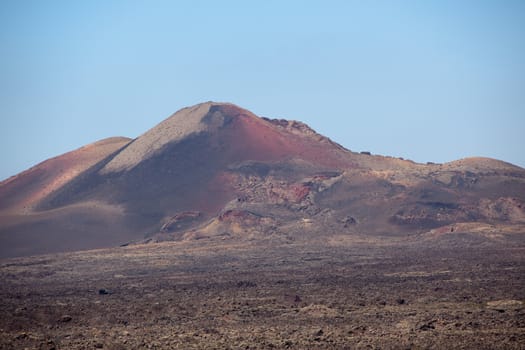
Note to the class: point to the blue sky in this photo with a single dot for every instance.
(424, 80)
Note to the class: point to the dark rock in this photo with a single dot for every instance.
(65, 318)
(428, 326)
(246, 284)
(103, 291)
(349, 220)
(21, 336)
(49, 345)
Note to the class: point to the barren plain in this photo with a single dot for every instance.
(462, 292)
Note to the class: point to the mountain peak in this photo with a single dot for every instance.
(203, 117)
(269, 138)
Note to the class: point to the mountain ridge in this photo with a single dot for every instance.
(217, 171)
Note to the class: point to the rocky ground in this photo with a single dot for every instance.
(224, 295)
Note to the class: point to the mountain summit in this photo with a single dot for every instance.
(236, 133)
(217, 171)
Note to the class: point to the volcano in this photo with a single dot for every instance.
(216, 171)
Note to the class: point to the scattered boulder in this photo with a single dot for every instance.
(48, 345)
(318, 334)
(21, 336)
(428, 326)
(348, 221)
(65, 319)
(246, 284)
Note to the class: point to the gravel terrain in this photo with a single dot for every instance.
(226, 295)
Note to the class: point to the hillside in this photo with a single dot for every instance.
(215, 171)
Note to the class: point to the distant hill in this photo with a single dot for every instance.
(217, 171)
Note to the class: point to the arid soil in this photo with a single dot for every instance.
(462, 293)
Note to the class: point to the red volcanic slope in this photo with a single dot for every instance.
(253, 138)
(20, 193)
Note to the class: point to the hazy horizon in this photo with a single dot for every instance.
(427, 81)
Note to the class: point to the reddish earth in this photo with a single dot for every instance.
(23, 191)
(252, 138)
